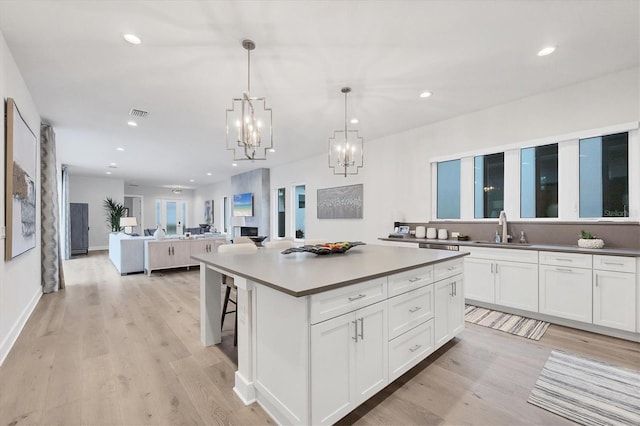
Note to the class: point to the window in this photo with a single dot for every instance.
(225, 204)
(488, 185)
(299, 194)
(281, 225)
(448, 197)
(539, 181)
(604, 176)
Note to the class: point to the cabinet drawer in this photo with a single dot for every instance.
(410, 348)
(409, 280)
(447, 269)
(575, 260)
(336, 302)
(614, 263)
(410, 309)
(511, 255)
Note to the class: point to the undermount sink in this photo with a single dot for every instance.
(502, 244)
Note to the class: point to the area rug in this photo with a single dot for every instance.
(514, 324)
(588, 392)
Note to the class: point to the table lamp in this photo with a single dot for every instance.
(128, 223)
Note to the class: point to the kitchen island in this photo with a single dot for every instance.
(319, 335)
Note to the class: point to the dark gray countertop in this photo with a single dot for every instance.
(543, 247)
(301, 274)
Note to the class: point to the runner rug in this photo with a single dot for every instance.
(514, 324)
(588, 392)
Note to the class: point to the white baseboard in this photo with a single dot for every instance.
(98, 248)
(13, 335)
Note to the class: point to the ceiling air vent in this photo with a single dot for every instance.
(138, 113)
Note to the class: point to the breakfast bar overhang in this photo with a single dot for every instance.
(318, 335)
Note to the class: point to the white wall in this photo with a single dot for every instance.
(152, 193)
(93, 191)
(20, 287)
(396, 176)
(215, 192)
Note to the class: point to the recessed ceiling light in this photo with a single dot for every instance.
(234, 165)
(132, 38)
(426, 94)
(119, 149)
(547, 51)
(192, 180)
(209, 173)
(113, 165)
(132, 123)
(108, 173)
(272, 150)
(354, 120)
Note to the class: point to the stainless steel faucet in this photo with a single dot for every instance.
(502, 220)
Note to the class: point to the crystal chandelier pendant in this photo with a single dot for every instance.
(345, 147)
(249, 121)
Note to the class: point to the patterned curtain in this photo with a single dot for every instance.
(52, 278)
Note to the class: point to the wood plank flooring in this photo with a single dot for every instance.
(112, 350)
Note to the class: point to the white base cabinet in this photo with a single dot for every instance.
(318, 357)
(449, 309)
(507, 277)
(348, 361)
(614, 292)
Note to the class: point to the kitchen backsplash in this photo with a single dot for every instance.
(615, 235)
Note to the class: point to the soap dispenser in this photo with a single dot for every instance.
(497, 237)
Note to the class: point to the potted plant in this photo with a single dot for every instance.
(588, 240)
(114, 211)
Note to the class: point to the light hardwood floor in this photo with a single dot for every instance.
(126, 350)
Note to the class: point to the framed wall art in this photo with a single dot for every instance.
(208, 211)
(342, 202)
(21, 185)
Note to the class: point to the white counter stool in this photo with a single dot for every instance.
(283, 244)
(227, 281)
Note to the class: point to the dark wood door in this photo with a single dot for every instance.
(79, 221)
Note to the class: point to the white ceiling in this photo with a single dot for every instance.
(84, 78)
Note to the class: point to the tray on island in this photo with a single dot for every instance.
(321, 249)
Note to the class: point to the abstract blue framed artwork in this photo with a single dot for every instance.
(243, 204)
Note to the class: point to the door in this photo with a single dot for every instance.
(332, 375)
(79, 221)
(456, 307)
(181, 253)
(371, 351)
(480, 279)
(566, 292)
(517, 285)
(614, 297)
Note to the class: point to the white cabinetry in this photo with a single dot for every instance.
(349, 358)
(449, 309)
(507, 277)
(614, 292)
(566, 285)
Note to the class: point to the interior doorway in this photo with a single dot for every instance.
(134, 206)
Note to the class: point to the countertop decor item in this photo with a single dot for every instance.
(443, 234)
(159, 234)
(588, 240)
(421, 232)
(328, 248)
(431, 233)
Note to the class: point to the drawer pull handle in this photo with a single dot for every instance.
(360, 296)
(415, 348)
(613, 263)
(416, 309)
(564, 270)
(361, 328)
(355, 331)
(413, 280)
(560, 259)
(451, 268)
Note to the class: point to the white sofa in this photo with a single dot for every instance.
(127, 252)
